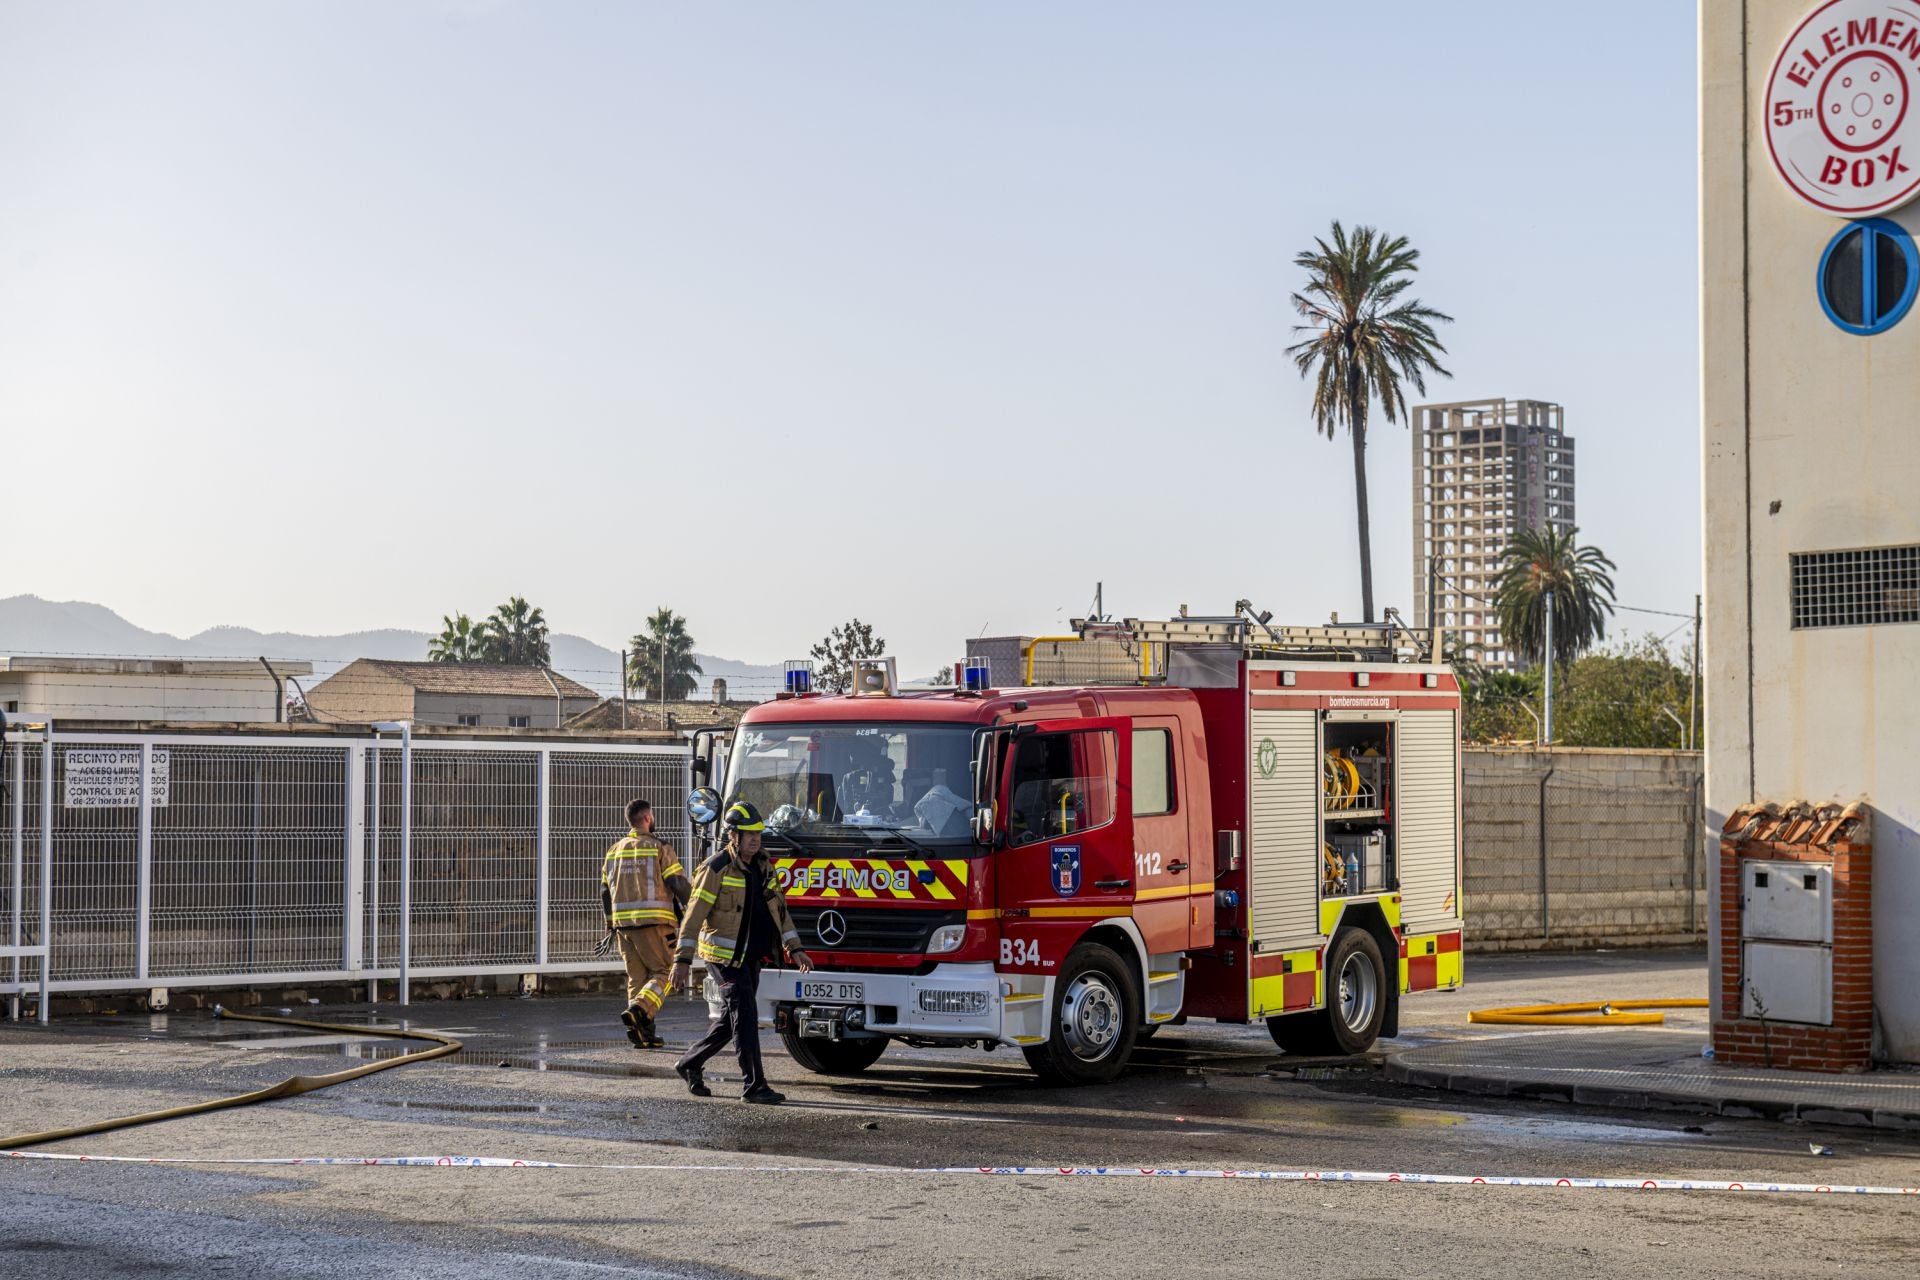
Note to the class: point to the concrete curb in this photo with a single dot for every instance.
(1505, 1085)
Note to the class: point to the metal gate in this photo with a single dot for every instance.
(141, 861)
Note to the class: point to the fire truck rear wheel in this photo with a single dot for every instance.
(834, 1057)
(1096, 1019)
(1356, 992)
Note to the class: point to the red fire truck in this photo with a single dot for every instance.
(1264, 822)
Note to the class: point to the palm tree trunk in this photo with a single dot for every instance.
(1359, 434)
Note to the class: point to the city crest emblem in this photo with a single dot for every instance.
(1066, 869)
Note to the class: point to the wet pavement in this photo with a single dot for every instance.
(554, 1079)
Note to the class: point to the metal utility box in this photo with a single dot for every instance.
(1787, 901)
(1788, 982)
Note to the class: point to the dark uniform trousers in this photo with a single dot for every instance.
(739, 1022)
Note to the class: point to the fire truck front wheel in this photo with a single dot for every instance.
(1096, 1018)
(1356, 987)
(834, 1057)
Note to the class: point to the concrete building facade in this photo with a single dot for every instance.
(478, 695)
(199, 691)
(1482, 471)
(1810, 461)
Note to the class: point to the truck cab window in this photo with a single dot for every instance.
(1062, 783)
(1152, 772)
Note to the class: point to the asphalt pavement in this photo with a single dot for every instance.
(553, 1079)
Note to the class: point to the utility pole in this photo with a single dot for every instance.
(1433, 590)
(1546, 685)
(663, 682)
(1693, 693)
(623, 688)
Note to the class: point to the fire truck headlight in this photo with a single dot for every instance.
(947, 937)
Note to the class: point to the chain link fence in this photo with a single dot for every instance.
(1588, 849)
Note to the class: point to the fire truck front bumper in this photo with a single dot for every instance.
(955, 1002)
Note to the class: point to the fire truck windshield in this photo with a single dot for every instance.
(837, 780)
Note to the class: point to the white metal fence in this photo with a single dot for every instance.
(142, 860)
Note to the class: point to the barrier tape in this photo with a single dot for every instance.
(1018, 1171)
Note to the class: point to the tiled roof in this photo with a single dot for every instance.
(646, 715)
(479, 677)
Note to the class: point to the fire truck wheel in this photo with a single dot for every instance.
(834, 1057)
(1096, 1018)
(1356, 986)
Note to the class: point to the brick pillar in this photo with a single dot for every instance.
(1801, 834)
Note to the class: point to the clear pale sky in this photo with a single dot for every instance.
(329, 316)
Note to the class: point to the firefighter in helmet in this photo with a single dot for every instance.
(642, 889)
(738, 921)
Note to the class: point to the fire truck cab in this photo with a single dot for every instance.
(1264, 824)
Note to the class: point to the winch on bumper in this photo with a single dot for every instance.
(956, 1002)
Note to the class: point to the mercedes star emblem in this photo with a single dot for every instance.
(830, 928)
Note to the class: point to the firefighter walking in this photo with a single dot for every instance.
(738, 921)
(641, 886)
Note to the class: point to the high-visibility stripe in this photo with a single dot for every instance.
(881, 879)
(705, 896)
(1078, 913)
(648, 915)
(1172, 891)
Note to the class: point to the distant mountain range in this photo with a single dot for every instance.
(30, 625)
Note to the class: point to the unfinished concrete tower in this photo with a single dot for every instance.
(1482, 471)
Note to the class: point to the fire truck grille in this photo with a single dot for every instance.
(869, 928)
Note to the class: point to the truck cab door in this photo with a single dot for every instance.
(1067, 826)
(1164, 859)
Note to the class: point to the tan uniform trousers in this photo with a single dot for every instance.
(647, 950)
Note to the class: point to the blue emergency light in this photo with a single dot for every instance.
(974, 676)
(799, 676)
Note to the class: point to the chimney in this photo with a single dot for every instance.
(719, 689)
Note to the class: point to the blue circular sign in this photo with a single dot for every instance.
(1868, 276)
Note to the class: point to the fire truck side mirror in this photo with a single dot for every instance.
(983, 824)
(701, 764)
(703, 806)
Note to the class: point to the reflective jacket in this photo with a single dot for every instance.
(640, 881)
(719, 917)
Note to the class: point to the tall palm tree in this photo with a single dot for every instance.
(1364, 341)
(666, 636)
(517, 635)
(1542, 563)
(460, 640)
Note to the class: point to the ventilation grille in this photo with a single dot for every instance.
(1856, 588)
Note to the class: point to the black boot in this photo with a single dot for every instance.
(696, 1081)
(765, 1096)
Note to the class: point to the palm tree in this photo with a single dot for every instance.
(460, 640)
(1365, 340)
(517, 635)
(666, 636)
(1539, 564)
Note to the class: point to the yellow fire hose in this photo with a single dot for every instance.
(291, 1087)
(1602, 1013)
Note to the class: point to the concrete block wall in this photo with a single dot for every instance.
(1623, 849)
